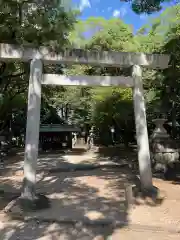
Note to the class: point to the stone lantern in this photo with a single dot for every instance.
(164, 150)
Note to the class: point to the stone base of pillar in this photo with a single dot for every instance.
(39, 202)
(153, 196)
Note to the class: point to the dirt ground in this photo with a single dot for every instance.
(86, 196)
(44, 231)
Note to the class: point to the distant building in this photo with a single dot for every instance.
(56, 136)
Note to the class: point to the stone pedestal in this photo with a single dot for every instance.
(164, 150)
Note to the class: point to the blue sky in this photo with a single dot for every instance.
(113, 8)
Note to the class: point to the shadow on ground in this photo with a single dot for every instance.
(83, 197)
(95, 197)
(119, 151)
(72, 160)
(45, 231)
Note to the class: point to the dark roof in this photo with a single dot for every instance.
(58, 128)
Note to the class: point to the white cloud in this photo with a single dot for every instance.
(120, 13)
(84, 4)
(116, 13)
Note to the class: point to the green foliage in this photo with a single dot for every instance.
(49, 24)
(114, 34)
(111, 105)
(38, 23)
(104, 107)
(101, 106)
(31, 24)
(160, 35)
(147, 6)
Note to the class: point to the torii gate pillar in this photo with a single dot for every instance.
(32, 129)
(141, 130)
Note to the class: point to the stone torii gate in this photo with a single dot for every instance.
(41, 56)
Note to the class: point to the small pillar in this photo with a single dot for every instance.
(141, 130)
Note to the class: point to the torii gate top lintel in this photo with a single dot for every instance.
(80, 56)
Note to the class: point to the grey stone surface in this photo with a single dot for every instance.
(164, 150)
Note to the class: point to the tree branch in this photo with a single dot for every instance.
(3, 67)
(14, 75)
(9, 77)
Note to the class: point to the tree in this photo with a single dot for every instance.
(171, 80)
(163, 32)
(154, 37)
(114, 34)
(147, 6)
(113, 106)
(111, 34)
(39, 23)
(30, 25)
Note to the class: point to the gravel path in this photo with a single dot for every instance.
(34, 230)
(96, 194)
